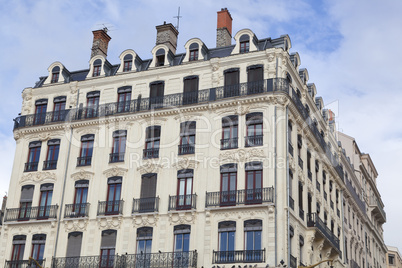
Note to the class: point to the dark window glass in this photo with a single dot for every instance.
(184, 192)
(160, 57)
(33, 156)
(252, 240)
(108, 251)
(53, 147)
(254, 186)
(40, 112)
(254, 129)
(113, 198)
(119, 146)
(152, 142)
(97, 68)
(193, 52)
(187, 137)
(128, 62)
(156, 94)
(18, 247)
(59, 108)
(244, 43)
(229, 132)
(124, 100)
(148, 193)
(228, 184)
(27, 192)
(255, 79)
(46, 194)
(92, 104)
(87, 144)
(38, 247)
(80, 198)
(144, 243)
(231, 84)
(181, 239)
(55, 74)
(190, 90)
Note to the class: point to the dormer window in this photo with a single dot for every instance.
(55, 74)
(193, 52)
(244, 43)
(160, 57)
(97, 68)
(128, 63)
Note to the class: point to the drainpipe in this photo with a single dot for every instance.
(343, 229)
(64, 183)
(275, 205)
(287, 189)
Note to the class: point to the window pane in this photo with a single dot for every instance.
(179, 242)
(225, 182)
(231, 241)
(257, 240)
(223, 241)
(186, 242)
(249, 241)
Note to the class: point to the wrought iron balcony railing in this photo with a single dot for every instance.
(183, 202)
(252, 141)
(156, 260)
(106, 208)
(229, 143)
(84, 161)
(24, 264)
(240, 197)
(355, 196)
(239, 256)
(313, 220)
(151, 153)
(31, 213)
(144, 205)
(76, 210)
(186, 149)
(49, 164)
(116, 157)
(31, 166)
(378, 209)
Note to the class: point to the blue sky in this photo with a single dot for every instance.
(350, 48)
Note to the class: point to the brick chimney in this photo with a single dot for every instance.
(224, 28)
(100, 43)
(167, 34)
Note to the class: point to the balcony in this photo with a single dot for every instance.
(186, 149)
(291, 203)
(293, 261)
(182, 202)
(252, 141)
(84, 161)
(240, 197)
(146, 205)
(300, 163)
(49, 164)
(301, 214)
(76, 210)
(151, 153)
(378, 210)
(355, 196)
(238, 256)
(161, 259)
(24, 264)
(107, 208)
(313, 220)
(229, 143)
(31, 213)
(116, 157)
(290, 148)
(31, 166)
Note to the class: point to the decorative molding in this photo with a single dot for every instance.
(149, 167)
(182, 217)
(282, 100)
(244, 213)
(82, 175)
(145, 220)
(34, 227)
(182, 117)
(185, 163)
(75, 225)
(88, 130)
(26, 100)
(38, 176)
(110, 222)
(242, 155)
(152, 120)
(115, 171)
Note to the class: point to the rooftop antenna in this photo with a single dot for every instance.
(178, 19)
(106, 27)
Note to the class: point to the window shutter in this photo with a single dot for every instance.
(191, 84)
(108, 239)
(27, 192)
(74, 244)
(232, 77)
(228, 168)
(148, 185)
(114, 180)
(255, 73)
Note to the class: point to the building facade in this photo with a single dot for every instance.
(394, 258)
(212, 157)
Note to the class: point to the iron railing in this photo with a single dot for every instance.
(240, 197)
(374, 202)
(31, 213)
(186, 259)
(151, 153)
(186, 149)
(49, 164)
(355, 196)
(183, 202)
(76, 210)
(231, 143)
(144, 205)
(31, 166)
(106, 208)
(84, 161)
(239, 256)
(24, 264)
(252, 141)
(313, 220)
(116, 157)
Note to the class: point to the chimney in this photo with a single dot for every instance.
(224, 28)
(331, 120)
(3, 206)
(100, 43)
(167, 34)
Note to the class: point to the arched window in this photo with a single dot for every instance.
(108, 248)
(254, 129)
(182, 238)
(144, 240)
(55, 74)
(160, 57)
(97, 68)
(244, 43)
(194, 48)
(253, 240)
(226, 231)
(18, 247)
(74, 244)
(38, 247)
(128, 62)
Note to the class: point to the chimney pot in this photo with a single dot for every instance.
(224, 28)
(100, 42)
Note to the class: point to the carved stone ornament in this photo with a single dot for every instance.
(182, 117)
(145, 220)
(236, 109)
(88, 130)
(149, 167)
(82, 175)
(152, 121)
(182, 218)
(26, 100)
(115, 171)
(185, 163)
(328, 253)
(38, 177)
(242, 155)
(281, 100)
(109, 223)
(75, 225)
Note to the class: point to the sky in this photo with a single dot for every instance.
(350, 49)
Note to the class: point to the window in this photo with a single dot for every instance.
(291, 200)
(113, 205)
(128, 63)
(40, 111)
(181, 239)
(46, 193)
(255, 79)
(108, 245)
(187, 137)
(184, 189)
(309, 174)
(156, 94)
(87, 144)
(228, 184)
(33, 156)
(74, 244)
(231, 83)
(27, 192)
(59, 108)
(301, 211)
(254, 130)
(119, 146)
(301, 244)
(290, 129)
(190, 90)
(18, 248)
(252, 240)
(55, 74)
(391, 259)
(253, 182)
(80, 199)
(299, 151)
(38, 247)
(152, 142)
(124, 99)
(148, 201)
(229, 132)
(194, 47)
(53, 147)
(226, 232)
(97, 68)
(144, 243)
(160, 57)
(92, 104)
(244, 43)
